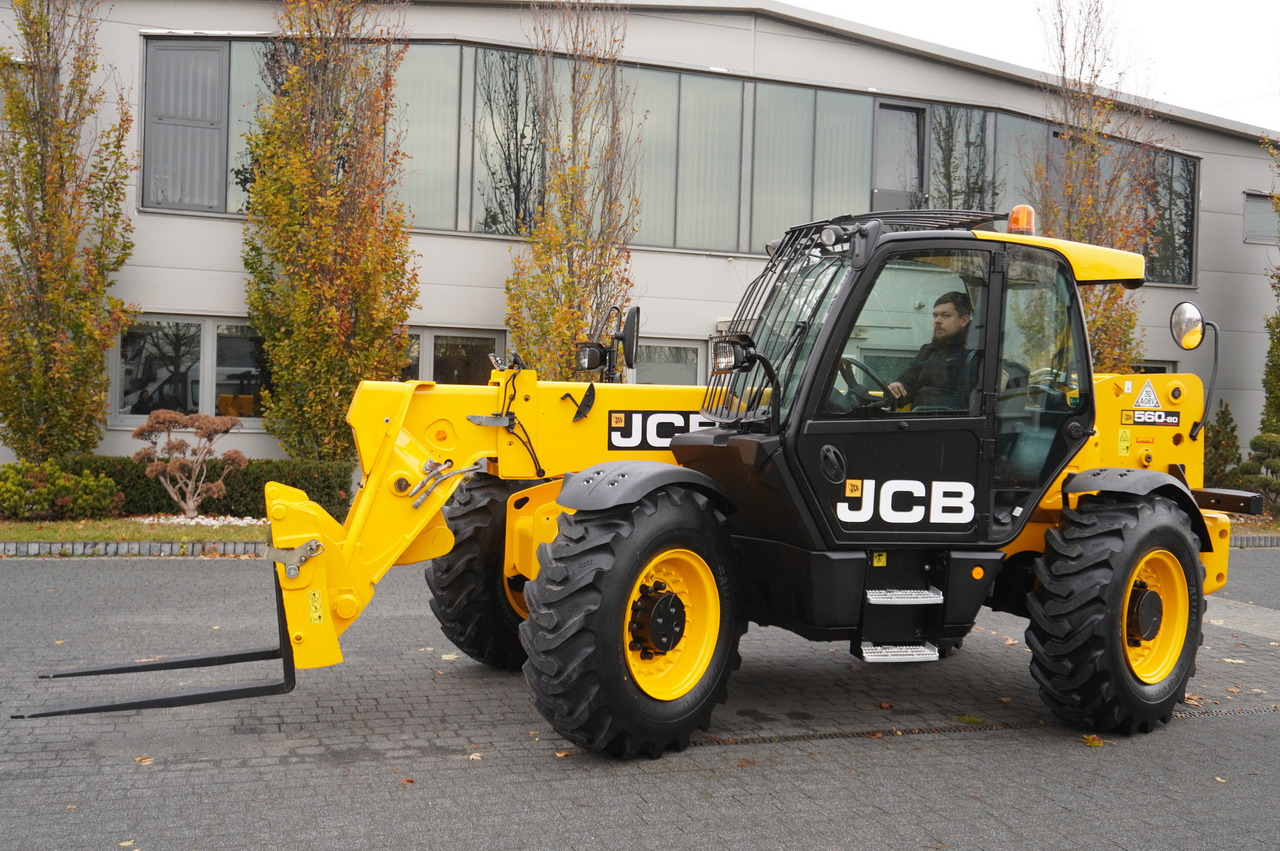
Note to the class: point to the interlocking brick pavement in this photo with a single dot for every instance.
(409, 745)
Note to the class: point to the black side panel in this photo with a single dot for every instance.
(816, 595)
(751, 469)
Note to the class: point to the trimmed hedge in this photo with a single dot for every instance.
(326, 482)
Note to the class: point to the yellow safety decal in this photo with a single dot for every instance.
(1126, 418)
(853, 488)
(317, 613)
(879, 559)
(1125, 438)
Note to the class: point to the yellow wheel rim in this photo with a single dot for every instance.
(670, 675)
(513, 586)
(1153, 659)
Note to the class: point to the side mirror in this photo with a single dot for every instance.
(630, 337)
(1186, 323)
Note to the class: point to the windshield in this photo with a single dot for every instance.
(782, 311)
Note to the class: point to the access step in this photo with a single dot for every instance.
(899, 652)
(903, 596)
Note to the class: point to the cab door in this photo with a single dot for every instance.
(879, 469)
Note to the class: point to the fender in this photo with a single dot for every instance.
(1141, 483)
(619, 482)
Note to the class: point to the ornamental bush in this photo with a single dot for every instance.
(47, 492)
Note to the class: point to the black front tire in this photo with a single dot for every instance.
(589, 673)
(1103, 659)
(470, 594)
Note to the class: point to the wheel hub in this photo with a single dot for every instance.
(657, 621)
(1146, 611)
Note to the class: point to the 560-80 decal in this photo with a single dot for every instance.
(1138, 417)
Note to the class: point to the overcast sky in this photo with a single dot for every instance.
(1220, 58)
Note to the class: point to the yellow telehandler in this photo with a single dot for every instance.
(901, 426)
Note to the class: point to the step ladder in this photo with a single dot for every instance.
(925, 652)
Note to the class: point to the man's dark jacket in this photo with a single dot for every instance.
(936, 376)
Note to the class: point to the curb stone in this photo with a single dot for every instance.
(26, 549)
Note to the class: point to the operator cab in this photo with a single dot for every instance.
(893, 424)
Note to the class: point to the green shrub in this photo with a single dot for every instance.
(326, 482)
(48, 492)
(1221, 450)
(1261, 473)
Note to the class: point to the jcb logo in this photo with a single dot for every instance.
(907, 501)
(1165, 418)
(651, 429)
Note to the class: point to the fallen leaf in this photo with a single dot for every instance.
(1257, 691)
(1235, 690)
(449, 657)
(1092, 740)
(897, 732)
(71, 806)
(967, 719)
(475, 757)
(744, 763)
(441, 673)
(562, 754)
(1005, 699)
(406, 781)
(884, 705)
(875, 735)
(1220, 780)
(60, 641)
(1009, 642)
(142, 760)
(1215, 621)
(1234, 661)
(128, 843)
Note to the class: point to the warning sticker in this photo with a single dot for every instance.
(1147, 398)
(1124, 437)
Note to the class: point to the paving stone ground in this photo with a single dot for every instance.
(409, 745)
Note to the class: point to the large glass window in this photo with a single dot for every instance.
(1261, 222)
(667, 363)
(184, 160)
(159, 367)
(842, 154)
(897, 177)
(427, 89)
(1020, 142)
(708, 179)
(508, 163)
(782, 173)
(657, 100)
(239, 363)
(812, 158)
(959, 164)
(1171, 251)
(451, 357)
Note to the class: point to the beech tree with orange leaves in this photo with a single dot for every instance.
(576, 266)
(1096, 180)
(64, 166)
(326, 244)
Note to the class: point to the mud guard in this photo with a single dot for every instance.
(619, 482)
(1140, 483)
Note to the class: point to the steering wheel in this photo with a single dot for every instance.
(864, 396)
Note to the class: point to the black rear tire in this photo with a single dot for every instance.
(1105, 659)
(470, 595)
(587, 666)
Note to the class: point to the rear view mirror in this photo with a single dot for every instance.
(630, 337)
(1187, 326)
